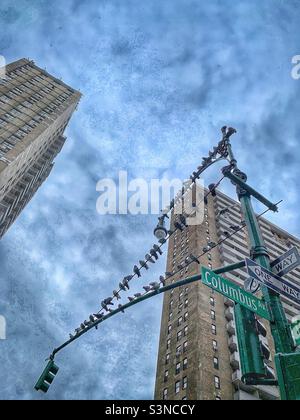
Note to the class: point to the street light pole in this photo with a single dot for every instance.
(252, 360)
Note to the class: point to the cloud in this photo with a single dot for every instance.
(159, 80)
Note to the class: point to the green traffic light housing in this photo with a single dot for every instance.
(47, 377)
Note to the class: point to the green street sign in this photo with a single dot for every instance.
(295, 326)
(235, 293)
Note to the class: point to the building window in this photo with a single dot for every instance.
(185, 331)
(215, 345)
(185, 346)
(168, 343)
(180, 321)
(218, 398)
(180, 307)
(217, 382)
(213, 315)
(180, 295)
(184, 398)
(170, 316)
(184, 383)
(186, 290)
(167, 359)
(210, 266)
(165, 394)
(186, 302)
(185, 363)
(214, 329)
(178, 351)
(212, 301)
(166, 375)
(179, 335)
(186, 315)
(177, 387)
(216, 363)
(177, 369)
(169, 329)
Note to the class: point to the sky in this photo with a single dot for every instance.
(159, 80)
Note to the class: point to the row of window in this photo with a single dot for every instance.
(178, 367)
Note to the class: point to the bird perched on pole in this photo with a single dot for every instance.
(194, 259)
(131, 299)
(137, 271)
(108, 301)
(162, 280)
(155, 285)
(126, 281)
(144, 264)
(148, 258)
(147, 288)
(98, 316)
(157, 249)
(116, 295)
(121, 308)
(154, 253)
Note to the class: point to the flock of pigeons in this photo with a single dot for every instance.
(153, 255)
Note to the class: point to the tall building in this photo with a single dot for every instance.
(198, 352)
(35, 109)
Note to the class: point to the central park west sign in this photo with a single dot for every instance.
(235, 293)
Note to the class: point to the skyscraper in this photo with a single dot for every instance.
(198, 351)
(35, 109)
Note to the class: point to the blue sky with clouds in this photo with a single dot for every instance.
(159, 79)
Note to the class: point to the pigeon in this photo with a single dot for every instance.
(116, 295)
(77, 331)
(155, 285)
(178, 225)
(98, 316)
(104, 305)
(230, 132)
(71, 336)
(168, 274)
(137, 295)
(92, 319)
(122, 287)
(153, 253)
(82, 326)
(162, 280)
(126, 282)
(108, 301)
(148, 258)
(143, 264)
(131, 299)
(194, 259)
(224, 130)
(87, 323)
(212, 244)
(121, 308)
(137, 271)
(147, 288)
(157, 249)
(212, 189)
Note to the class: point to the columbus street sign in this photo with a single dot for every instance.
(286, 263)
(235, 293)
(272, 281)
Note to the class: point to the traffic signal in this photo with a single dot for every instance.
(47, 377)
(250, 347)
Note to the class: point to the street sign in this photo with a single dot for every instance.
(272, 281)
(286, 263)
(251, 285)
(295, 327)
(235, 293)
